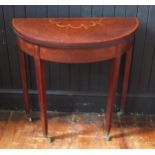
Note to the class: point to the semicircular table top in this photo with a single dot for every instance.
(64, 32)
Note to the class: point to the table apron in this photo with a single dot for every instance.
(75, 55)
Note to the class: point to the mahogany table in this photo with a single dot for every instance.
(75, 40)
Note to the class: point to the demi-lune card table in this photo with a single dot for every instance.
(76, 40)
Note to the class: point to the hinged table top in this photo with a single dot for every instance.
(71, 32)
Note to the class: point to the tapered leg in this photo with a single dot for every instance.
(126, 80)
(39, 68)
(24, 83)
(113, 80)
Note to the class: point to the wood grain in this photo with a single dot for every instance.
(75, 130)
(105, 39)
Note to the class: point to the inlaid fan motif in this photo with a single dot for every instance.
(84, 25)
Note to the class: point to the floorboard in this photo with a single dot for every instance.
(76, 130)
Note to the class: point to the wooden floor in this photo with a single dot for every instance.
(76, 130)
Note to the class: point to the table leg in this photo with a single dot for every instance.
(126, 80)
(24, 84)
(113, 81)
(40, 79)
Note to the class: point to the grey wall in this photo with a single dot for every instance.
(80, 86)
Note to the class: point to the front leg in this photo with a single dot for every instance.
(40, 78)
(113, 81)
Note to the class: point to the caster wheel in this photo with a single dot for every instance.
(120, 113)
(107, 137)
(49, 139)
(29, 119)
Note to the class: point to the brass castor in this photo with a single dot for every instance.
(29, 118)
(120, 113)
(107, 136)
(49, 139)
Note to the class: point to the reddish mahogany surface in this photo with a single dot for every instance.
(80, 32)
(76, 40)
